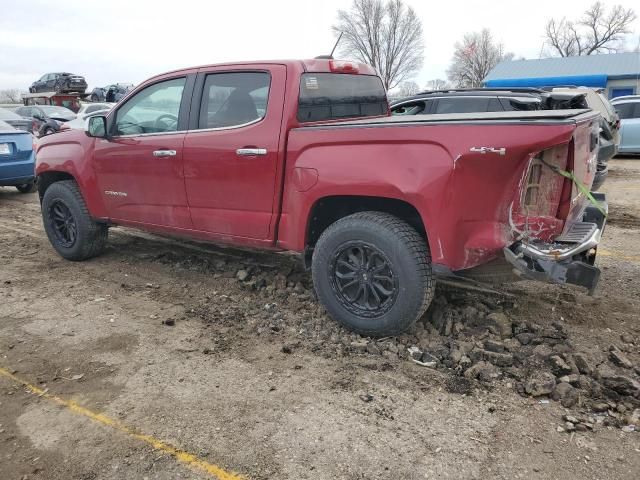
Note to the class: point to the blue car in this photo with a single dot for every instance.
(628, 109)
(17, 159)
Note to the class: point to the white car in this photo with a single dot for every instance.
(86, 108)
(81, 120)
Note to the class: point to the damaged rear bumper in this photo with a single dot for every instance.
(569, 258)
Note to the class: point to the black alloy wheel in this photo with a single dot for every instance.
(363, 279)
(63, 224)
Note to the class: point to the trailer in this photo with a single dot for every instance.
(68, 100)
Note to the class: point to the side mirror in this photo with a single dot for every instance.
(97, 127)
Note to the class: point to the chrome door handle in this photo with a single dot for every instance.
(251, 152)
(164, 153)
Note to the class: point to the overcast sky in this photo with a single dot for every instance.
(130, 40)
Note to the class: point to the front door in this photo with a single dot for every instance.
(231, 152)
(139, 168)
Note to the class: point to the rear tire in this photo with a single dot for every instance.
(27, 187)
(71, 230)
(390, 265)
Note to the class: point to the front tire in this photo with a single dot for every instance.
(71, 230)
(372, 272)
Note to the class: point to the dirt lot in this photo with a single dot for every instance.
(155, 361)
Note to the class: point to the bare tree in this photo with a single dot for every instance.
(385, 34)
(408, 88)
(11, 95)
(436, 84)
(596, 32)
(474, 57)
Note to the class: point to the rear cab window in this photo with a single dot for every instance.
(334, 96)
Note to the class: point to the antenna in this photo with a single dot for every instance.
(336, 45)
(330, 56)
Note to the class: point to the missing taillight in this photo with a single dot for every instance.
(535, 215)
(533, 185)
(543, 187)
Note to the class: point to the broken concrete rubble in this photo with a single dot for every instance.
(540, 383)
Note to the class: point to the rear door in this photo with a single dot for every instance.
(51, 82)
(231, 152)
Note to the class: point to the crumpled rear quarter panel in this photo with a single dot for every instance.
(462, 196)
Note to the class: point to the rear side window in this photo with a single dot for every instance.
(626, 110)
(415, 108)
(520, 103)
(462, 105)
(234, 99)
(332, 96)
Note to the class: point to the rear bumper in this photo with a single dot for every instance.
(569, 259)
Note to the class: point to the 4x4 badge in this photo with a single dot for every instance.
(500, 151)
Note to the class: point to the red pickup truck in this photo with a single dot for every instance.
(303, 156)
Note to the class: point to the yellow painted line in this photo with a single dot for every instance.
(608, 253)
(183, 457)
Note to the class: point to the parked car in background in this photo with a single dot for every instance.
(80, 122)
(521, 99)
(609, 128)
(281, 155)
(16, 121)
(87, 108)
(111, 93)
(59, 82)
(628, 108)
(47, 118)
(17, 159)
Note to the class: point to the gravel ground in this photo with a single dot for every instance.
(225, 355)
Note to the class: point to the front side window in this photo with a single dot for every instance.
(233, 99)
(152, 110)
(409, 109)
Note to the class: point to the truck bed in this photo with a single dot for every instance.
(535, 116)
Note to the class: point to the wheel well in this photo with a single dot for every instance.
(329, 209)
(46, 179)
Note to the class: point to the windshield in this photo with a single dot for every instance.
(8, 115)
(50, 110)
(330, 96)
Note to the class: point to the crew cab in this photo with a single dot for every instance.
(304, 156)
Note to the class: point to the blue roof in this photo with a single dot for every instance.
(594, 81)
(612, 65)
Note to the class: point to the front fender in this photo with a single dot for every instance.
(70, 152)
